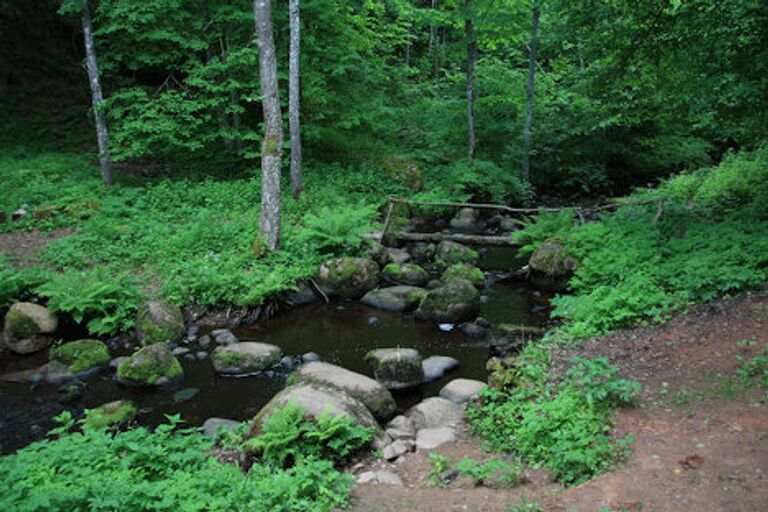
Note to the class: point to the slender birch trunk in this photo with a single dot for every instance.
(97, 98)
(471, 58)
(272, 145)
(294, 96)
(530, 93)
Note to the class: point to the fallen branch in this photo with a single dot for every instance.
(455, 237)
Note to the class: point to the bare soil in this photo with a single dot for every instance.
(700, 440)
(23, 247)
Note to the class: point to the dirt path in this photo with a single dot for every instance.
(700, 441)
(23, 247)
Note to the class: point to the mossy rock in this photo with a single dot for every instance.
(111, 415)
(551, 266)
(245, 357)
(394, 298)
(347, 278)
(378, 253)
(396, 368)
(405, 273)
(464, 271)
(159, 321)
(453, 302)
(29, 328)
(151, 365)
(449, 253)
(81, 355)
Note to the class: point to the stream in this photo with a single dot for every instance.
(340, 333)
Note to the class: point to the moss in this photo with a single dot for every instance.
(150, 364)
(451, 253)
(113, 414)
(417, 296)
(159, 321)
(453, 302)
(348, 277)
(81, 355)
(230, 359)
(464, 271)
(407, 273)
(20, 325)
(393, 269)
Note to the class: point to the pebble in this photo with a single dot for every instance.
(445, 327)
(185, 394)
(374, 320)
(201, 355)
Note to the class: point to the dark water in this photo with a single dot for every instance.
(339, 333)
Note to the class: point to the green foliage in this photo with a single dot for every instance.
(287, 439)
(105, 304)
(337, 230)
(17, 284)
(543, 227)
(168, 469)
(754, 369)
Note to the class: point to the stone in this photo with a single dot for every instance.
(224, 337)
(111, 415)
(180, 351)
(212, 426)
(185, 394)
(431, 438)
(507, 224)
(449, 253)
(150, 366)
(81, 355)
(453, 302)
(116, 361)
(201, 355)
(371, 393)
(159, 321)
(464, 271)
(245, 357)
(316, 400)
(550, 266)
(377, 253)
(475, 330)
(309, 357)
(347, 278)
(508, 339)
(422, 252)
(394, 298)
(436, 366)
(468, 220)
(382, 477)
(29, 328)
(435, 412)
(405, 273)
(401, 428)
(396, 368)
(461, 391)
(396, 449)
(204, 341)
(398, 256)
(302, 295)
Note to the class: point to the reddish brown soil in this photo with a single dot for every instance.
(700, 440)
(23, 247)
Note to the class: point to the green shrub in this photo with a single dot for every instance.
(106, 304)
(17, 284)
(168, 469)
(287, 438)
(337, 230)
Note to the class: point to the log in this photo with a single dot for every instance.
(455, 237)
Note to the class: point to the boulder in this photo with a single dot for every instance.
(382, 477)
(401, 428)
(377, 253)
(150, 366)
(245, 357)
(347, 278)
(224, 337)
(316, 400)
(405, 273)
(550, 266)
(436, 366)
(396, 368)
(422, 252)
(477, 330)
(76, 359)
(371, 393)
(111, 415)
(28, 328)
(302, 295)
(468, 220)
(449, 253)
(462, 390)
(452, 302)
(506, 339)
(212, 426)
(431, 438)
(435, 412)
(159, 321)
(394, 298)
(397, 448)
(398, 256)
(464, 271)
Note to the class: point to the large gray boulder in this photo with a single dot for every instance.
(405, 273)
(396, 368)
(29, 328)
(468, 220)
(435, 412)
(371, 393)
(245, 357)
(316, 400)
(394, 298)
(506, 339)
(159, 321)
(347, 278)
(436, 366)
(213, 426)
(431, 438)
(462, 390)
(452, 302)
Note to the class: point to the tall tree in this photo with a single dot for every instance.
(294, 95)
(531, 84)
(469, 32)
(97, 98)
(272, 144)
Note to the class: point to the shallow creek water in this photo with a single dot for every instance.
(338, 333)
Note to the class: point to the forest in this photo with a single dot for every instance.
(502, 255)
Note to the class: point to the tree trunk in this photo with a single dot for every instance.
(531, 84)
(471, 57)
(220, 114)
(97, 99)
(294, 96)
(272, 145)
(434, 45)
